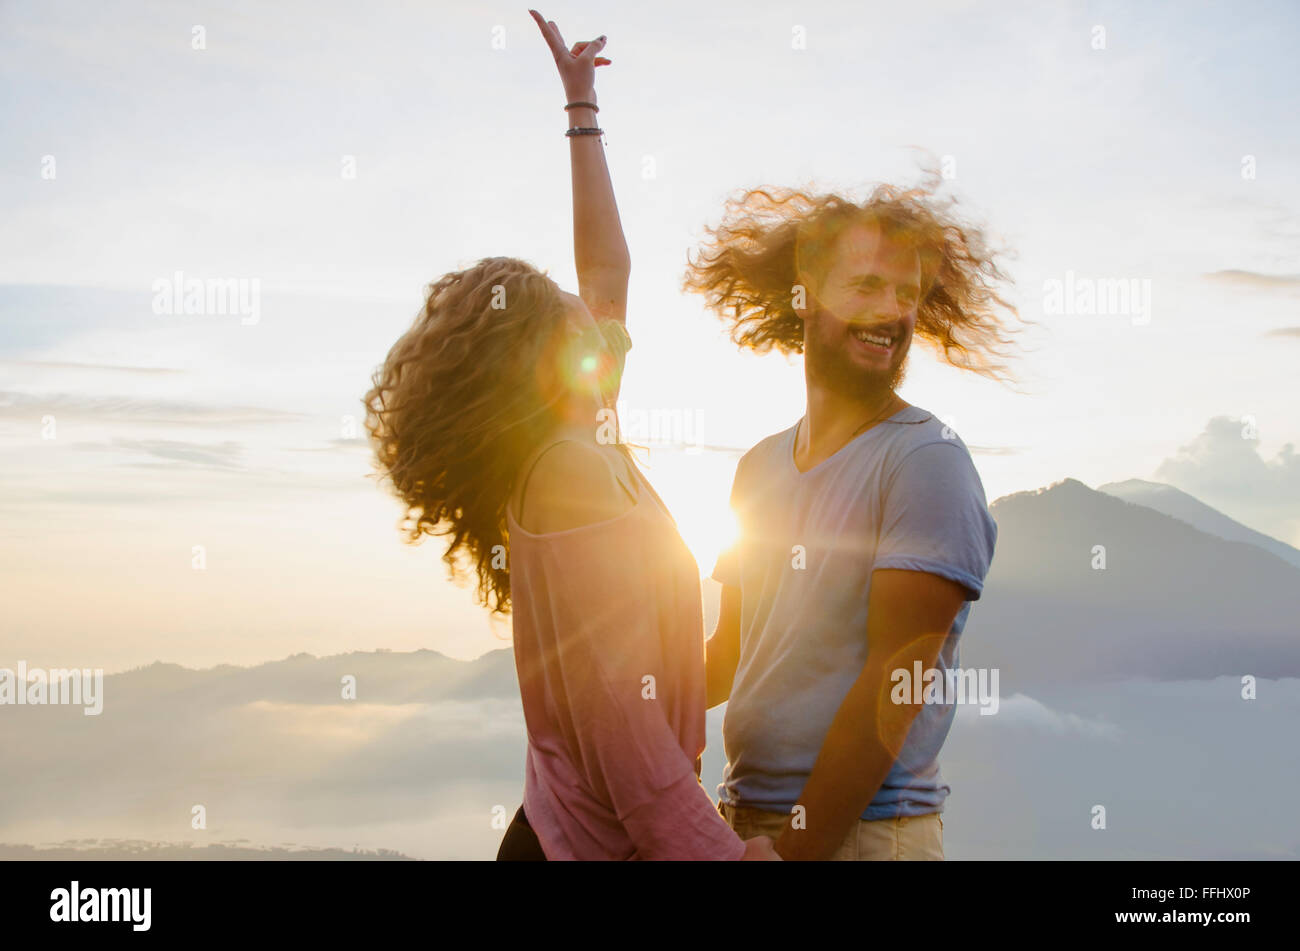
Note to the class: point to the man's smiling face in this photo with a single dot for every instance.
(858, 328)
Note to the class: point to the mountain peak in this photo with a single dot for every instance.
(1174, 502)
(1070, 483)
(1066, 486)
(1136, 484)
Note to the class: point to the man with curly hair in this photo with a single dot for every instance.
(864, 530)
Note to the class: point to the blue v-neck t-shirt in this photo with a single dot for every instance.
(904, 494)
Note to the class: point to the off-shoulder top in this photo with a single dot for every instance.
(609, 649)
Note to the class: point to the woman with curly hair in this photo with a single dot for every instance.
(493, 418)
(864, 530)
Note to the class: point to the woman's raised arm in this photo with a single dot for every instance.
(599, 249)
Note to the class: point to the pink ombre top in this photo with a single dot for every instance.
(612, 769)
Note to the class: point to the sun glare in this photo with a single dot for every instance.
(696, 489)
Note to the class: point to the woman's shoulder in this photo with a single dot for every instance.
(572, 483)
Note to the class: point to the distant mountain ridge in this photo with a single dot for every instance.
(422, 676)
(269, 750)
(1172, 603)
(273, 750)
(1178, 504)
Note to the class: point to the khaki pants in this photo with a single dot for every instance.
(906, 838)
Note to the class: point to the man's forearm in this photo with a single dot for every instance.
(859, 750)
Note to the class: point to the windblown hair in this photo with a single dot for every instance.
(457, 407)
(748, 267)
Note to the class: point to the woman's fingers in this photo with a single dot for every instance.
(592, 48)
(596, 46)
(556, 31)
(550, 34)
(579, 47)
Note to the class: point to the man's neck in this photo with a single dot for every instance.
(833, 419)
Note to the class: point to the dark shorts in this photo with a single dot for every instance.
(520, 842)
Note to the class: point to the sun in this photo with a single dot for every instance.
(696, 487)
(707, 530)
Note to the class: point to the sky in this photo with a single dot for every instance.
(1152, 143)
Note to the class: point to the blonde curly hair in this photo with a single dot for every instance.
(458, 405)
(769, 238)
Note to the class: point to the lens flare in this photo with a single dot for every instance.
(590, 365)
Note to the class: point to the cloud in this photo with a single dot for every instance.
(14, 405)
(1225, 460)
(223, 455)
(1283, 332)
(1254, 279)
(1022, 710)
(336, 445)
(68, 365)
(1223, 468)
(432, 746)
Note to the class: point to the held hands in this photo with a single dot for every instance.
(760, 849)
(577, 66)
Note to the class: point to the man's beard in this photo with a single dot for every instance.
(830, 366)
